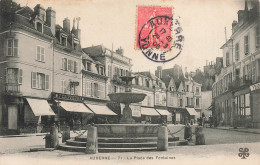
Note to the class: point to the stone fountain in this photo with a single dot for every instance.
(127, 135)
(127, 98)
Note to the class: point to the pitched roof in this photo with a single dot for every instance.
(94, 50)
(23, 19)
(167, 81)
(178, 83)
(149, 74)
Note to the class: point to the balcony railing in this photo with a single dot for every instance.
(239, 82)
(12, 88)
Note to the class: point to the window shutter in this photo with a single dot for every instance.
(92, 89)
(62, 63)
(38, 53)
(47, 82)
(20, 79)
(15, 48)
(6, 75)
(98, 90)
(72, 69)
(76, 67)
(34, 79)
(69, 65)
(9, 47)
(42, 53)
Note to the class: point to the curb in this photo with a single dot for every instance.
(237, 130)
(23, 135)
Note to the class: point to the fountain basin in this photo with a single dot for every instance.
(127, 97)
(127, 130)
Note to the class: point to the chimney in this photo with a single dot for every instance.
(240, 15)
(159, 70)
(66, 25)
(51, 19)
(120, 51)
(78, 31)
(40, 11)
(234, 23)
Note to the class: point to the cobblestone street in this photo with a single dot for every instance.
(222, 144)
(178, 155)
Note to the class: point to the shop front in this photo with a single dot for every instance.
(102, 114)
(150, 116)
(166, 115)
(178, 115)
(70, 109)
(191, 116)
(255, 104)
(23, 114)
(242, 107)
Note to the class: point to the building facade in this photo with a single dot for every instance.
(236, 90)
(183, 94)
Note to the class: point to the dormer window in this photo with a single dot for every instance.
(63, 41)
(172, 89)
(75, 43)
(88, 66)
(101, 71)
(39, 27)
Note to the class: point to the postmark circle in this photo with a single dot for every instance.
(160, 38)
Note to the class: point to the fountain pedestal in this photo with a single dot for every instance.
(127, 115)
(127, 98)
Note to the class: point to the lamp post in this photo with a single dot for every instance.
(58, 107)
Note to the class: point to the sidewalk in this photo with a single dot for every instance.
(11, 144)
(240, 129)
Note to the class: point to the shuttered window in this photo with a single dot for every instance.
(40, 54)
(40, 81)
(12, 47)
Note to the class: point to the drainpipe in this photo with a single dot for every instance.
(52, 85)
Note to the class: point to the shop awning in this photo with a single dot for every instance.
(74, 107)
(192, 111)
(163, 112)
(100, 109)
(149, 111)
(40, 107)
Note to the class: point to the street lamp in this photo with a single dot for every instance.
(58, 107)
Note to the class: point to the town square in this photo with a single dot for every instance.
(122, 82)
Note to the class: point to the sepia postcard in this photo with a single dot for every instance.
(129, 82)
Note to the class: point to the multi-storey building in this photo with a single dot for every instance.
(40, 64)
(115, 65)
(186, 93)
(26, 55)
(153, 107)
(236, 90)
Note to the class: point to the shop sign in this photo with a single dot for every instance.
(62, 96)
(255, 87)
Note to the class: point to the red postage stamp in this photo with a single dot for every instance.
(158, 33)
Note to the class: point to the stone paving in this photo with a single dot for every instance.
(221, 147)
(205, 154)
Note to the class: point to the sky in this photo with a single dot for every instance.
(112, 23)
